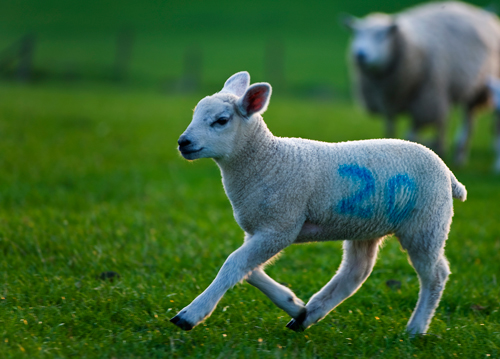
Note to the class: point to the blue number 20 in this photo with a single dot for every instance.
(399, 194)
(354, 204)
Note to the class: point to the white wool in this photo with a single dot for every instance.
(424, 60)
(293, 190)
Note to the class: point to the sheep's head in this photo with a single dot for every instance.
(373, 44)
(221, 121)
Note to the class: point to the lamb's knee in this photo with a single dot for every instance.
(443, 269)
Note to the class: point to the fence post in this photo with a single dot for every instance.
(192, 69)
(123, 55)
(26, 54)
(274, 63)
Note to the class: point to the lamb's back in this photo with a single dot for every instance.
(378, 184)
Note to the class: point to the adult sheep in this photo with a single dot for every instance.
(424, 60)
(292, 190)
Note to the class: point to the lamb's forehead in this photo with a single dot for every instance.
(216, 104)
(374, 22)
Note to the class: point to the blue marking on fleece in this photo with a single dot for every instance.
(399, 197)
(353, 205)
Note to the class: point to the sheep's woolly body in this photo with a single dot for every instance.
(292, 190)
(449, 49)
(443, 54)
(339, 190)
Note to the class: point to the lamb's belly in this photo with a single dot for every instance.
(339, 230)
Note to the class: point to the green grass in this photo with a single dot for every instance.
(90, 181)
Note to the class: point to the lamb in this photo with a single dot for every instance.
(292, 190)
(494, 86)
(421, 62)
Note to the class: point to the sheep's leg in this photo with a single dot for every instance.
(280, 295)
(496, 167)
(390, 127)
(440, 145)
(412, 135)
(463, 138)
(357, 264)
(255, 251)
(433, 271)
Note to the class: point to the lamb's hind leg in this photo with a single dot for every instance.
(280, 295)
(433, 270)
(357, 264)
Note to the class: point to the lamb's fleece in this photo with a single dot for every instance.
(348, 190)
(291, 190)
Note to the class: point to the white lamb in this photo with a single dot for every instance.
(292, 190)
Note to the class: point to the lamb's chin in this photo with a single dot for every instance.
(193, 155)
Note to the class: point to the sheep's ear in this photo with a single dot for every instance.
(255, 99)
(348, 21)
(237, 84)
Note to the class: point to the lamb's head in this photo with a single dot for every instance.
(222, 122)
(374, 41)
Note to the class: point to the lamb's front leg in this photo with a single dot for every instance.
(256, 250)
(280, 295)
(357, 264)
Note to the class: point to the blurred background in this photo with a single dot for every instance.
(182, 46)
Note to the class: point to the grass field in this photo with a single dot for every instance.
(91, 182)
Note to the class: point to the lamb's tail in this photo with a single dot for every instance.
(457, 189)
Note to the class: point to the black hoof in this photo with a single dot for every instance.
(296, 323)
(181, 323)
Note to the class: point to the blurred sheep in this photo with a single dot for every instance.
(424, 60)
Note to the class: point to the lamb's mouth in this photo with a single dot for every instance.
(187, 153)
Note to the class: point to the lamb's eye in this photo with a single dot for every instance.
(221, 121)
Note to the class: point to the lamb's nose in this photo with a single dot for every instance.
(183, 141)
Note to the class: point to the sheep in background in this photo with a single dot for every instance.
(292, 190)
(424, 60)
(494, 86)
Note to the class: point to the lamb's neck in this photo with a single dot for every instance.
(256, 154)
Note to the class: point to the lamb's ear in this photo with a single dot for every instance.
(255, 99)
(237, 84)
(348, 21)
